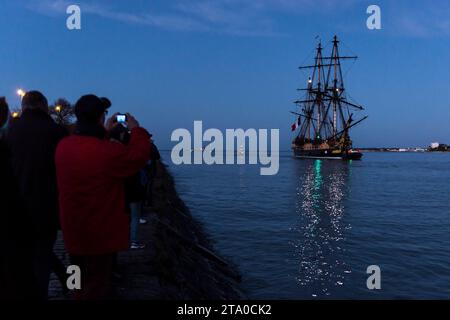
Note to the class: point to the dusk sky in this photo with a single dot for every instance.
(234, 63)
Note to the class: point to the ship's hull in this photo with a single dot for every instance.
(331, 154)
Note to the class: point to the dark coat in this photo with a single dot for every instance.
(32, 141)
(134, 190)
(155, 155)
(8, 192)
(16, 279)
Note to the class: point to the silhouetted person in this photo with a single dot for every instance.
(91, 171)
(150, 172)
(16, 273)
(134, 190)
(32, 140)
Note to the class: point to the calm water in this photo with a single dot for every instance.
(312, 230)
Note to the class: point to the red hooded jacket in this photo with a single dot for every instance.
(91, 173)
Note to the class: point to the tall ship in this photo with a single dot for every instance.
(325, 114)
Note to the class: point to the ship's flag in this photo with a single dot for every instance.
(296, 124)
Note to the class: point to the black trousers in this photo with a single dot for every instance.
(17, 282)
(42, 263)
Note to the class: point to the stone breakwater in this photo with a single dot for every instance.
(179, 262)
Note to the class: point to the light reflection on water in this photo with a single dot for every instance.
(321, 190)
(290, 235)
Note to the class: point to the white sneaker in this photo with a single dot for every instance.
(137, 246)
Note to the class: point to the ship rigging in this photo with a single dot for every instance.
(325, 114)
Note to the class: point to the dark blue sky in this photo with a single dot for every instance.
(233, 63)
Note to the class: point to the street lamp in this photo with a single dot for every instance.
(15, 114)
(21, 93)
(58, 109)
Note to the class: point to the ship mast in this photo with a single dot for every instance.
(319, 63)
(326, 110)
(335, 86)
(313, 105)
(335, 54)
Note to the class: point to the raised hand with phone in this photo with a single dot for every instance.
(124, 119)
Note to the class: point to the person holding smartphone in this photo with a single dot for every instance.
(134, 190)
(91, 171)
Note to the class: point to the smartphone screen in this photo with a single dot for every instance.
(121, 118)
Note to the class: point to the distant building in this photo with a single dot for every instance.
(436, 146)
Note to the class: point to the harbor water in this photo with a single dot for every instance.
(311, 231)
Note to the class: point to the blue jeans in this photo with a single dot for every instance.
(135, 212)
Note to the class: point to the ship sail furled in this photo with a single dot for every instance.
(326, 115)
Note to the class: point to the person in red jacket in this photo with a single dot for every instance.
(90, 172)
